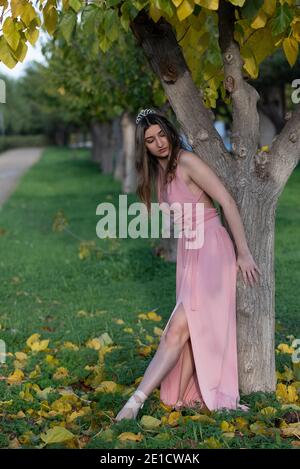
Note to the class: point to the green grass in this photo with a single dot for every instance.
(44, 284)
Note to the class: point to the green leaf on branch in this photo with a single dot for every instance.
(67, 25)
(282, 19)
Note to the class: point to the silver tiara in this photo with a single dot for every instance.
(143, 113)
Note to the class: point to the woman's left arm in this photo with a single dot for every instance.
(205, 177)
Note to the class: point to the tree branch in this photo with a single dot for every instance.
(285, 151)
(167, 61)
(245, 127)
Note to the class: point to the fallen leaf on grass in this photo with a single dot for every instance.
(57, 434)
(35, 344)
(149, 422)
(129, 436)
(107, 386)
(16, 377)
(293, 429)
(286, 394)
(60, 373)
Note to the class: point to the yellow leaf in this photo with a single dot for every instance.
(16, 377)
(142, 316)
(36, 372)
(228, 434)
(259, 428)
(293, 429)
(26, 438)
(94, 344)
(57, 434)
(32, 34)
(174, 418)
(40, 345)
(14, 444)
(150, 422)
(200, 418)
(70, 346)
(60, 373)
(285, 348)
(250, 64)
(107, 386)
(185, 9)
(158, 331)
(50, 17)
(291, 49)
(35, 344)
(26, 396)
(165, 407)
(209, 4)
(296, 28)
(128, 329)
(129, 436)
(5, 403)
(153, 316)
(269, 7)
(145, 351)
(268, 411)
(11, 33)
(154, 13)
(43, 394)
(20, 54)
(260, 20)
(119, 321)
(78, 413)
(286, 394)
(177, 2)
(51, 360)
(226, 426)
(241, 423)
(21, 356)
(19, 365)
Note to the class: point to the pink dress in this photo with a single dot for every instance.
(206, 287)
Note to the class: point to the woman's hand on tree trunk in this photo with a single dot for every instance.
(248, 267)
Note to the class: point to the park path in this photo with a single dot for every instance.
(13, 164)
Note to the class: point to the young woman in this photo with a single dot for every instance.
(195, 363)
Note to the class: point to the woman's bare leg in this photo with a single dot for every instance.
(165, 358)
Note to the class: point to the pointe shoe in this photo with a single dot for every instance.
(132, 406)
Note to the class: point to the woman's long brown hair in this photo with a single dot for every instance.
(146, 164)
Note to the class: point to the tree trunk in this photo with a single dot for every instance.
(245, 173)
(96, 135)
(128, 133)
(118, 150)
(107, 147)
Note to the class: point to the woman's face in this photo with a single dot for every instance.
(156, 141)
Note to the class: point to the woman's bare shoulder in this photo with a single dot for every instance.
(187, 158)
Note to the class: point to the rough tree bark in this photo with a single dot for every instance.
(255, 179)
